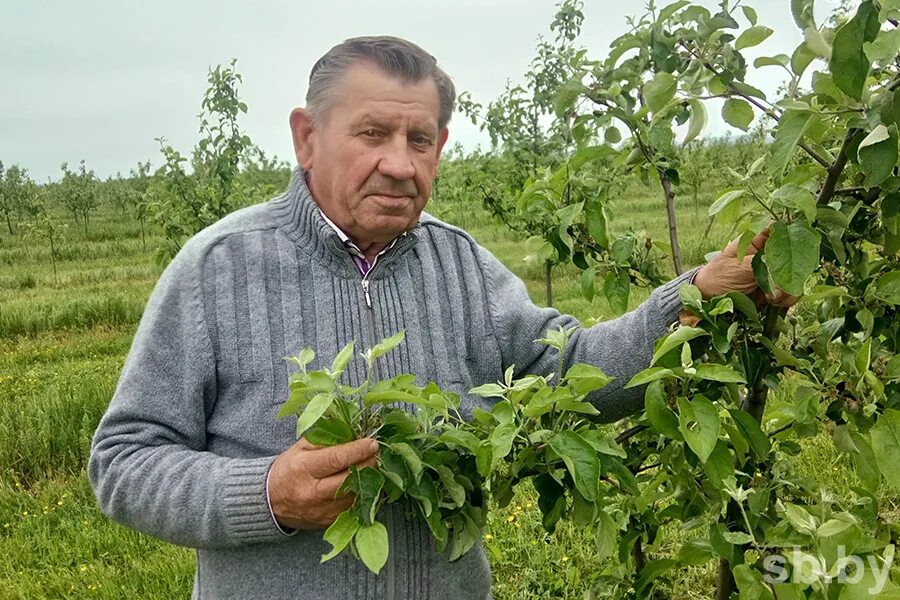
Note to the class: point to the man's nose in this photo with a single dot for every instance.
(396, 161)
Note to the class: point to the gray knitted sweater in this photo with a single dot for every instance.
(185, 447)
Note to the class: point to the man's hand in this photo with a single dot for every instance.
(304, 481)
(725, 273)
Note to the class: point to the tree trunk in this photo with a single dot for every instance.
(755, 404)
(9, 224)
(53, 260)
(548, 267)
(673, 226)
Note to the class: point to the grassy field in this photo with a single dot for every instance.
(63, 341)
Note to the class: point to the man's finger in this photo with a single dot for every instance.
(327, 488)
(305, 445)
(335, 459)
(758, 242)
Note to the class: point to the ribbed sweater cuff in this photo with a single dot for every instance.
(668, 301)
(246, 504)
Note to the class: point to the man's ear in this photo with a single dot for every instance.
(442, 139)
(304, 135)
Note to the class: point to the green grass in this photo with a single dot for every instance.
(64, 338)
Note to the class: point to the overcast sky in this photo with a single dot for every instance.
(100, 80)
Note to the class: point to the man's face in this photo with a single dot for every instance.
(371, 163)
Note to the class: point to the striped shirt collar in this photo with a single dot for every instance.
(359, 258)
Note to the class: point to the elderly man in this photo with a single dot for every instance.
(190, 450)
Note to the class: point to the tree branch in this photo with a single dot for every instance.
(769, 112)
(630, 433)
(836, 169)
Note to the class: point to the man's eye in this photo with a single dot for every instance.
(421, 140)
(373, 133)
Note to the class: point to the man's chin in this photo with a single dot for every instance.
(391, 205)
(388, 227)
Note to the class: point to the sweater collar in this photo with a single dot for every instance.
(301, 220)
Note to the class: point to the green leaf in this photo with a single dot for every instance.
(658, 412)
(791, 127)
(461, 437)
(583, 378)
(695, 552)
(342, 360)
(793, 196)
(752, 37)
(886, 445)
(651, 572)
(737, 113)
(329, 432)
(817, 44)
(567, 94)
(744, 304)
(749, 582)
(648, 375)
(751, 431)
(582, 510)
(888, 287)
(453, 487)
(750, 14)
(382, 348)
(878, 154)
(581, 460)
(411, 457)
(425, 494)
(606, 534)
(801, 59)
(540, 404)
(676, 339)
(800, 519)
(586, 283)
(305, 357)
(737, 537)
(502, 440)
(699, 424)
(697, 122)
(659, 90)
(670, 10)
(691, 297)
(723, 201)
(832, 527)
(489, 390)
(792, 254)
(577, 406)
(720, 464)
(596, 221)
(779, 60)
(885, 47)
(802, 11)
(372, 546)
(369, 483)
(716, 372)
(748, 90)
(315, 409)
(612, 135)
(616, 288)
(849, 63)
(394, 469)
(761, 273)
(340, 533)
(551, 500)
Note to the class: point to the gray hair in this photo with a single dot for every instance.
(395, 56)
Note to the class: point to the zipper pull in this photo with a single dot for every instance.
(365, 286)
